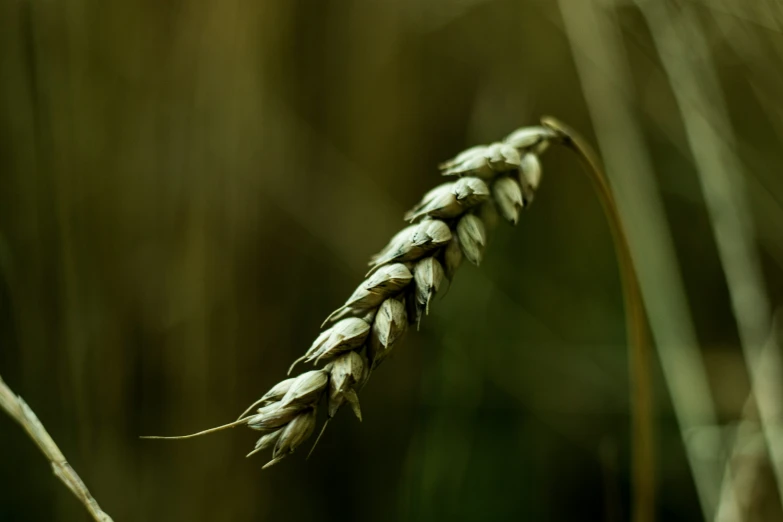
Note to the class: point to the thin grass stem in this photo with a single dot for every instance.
(18, 409)
(638, 342)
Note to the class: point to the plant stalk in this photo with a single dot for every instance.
(18, 409)
(636, 327)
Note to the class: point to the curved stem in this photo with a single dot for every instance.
(638, 341)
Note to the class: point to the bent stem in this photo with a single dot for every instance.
(18, 409)
(639, 348)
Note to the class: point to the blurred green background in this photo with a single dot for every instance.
(188, 188)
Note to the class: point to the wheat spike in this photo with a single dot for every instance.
(449, 223)
(405, 276)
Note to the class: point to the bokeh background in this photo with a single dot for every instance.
(188, 188)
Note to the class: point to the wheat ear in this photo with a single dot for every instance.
(447, 225)
(18, 409)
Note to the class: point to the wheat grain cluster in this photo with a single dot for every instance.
(447, 225)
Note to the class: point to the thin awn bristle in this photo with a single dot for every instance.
(260, 448)
(250, 408)
(200, 433)
(318, 438)
(272, 462)
(293, 364)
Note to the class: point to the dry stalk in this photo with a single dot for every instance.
(447, 225)
(18, 409)
(687, 61)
